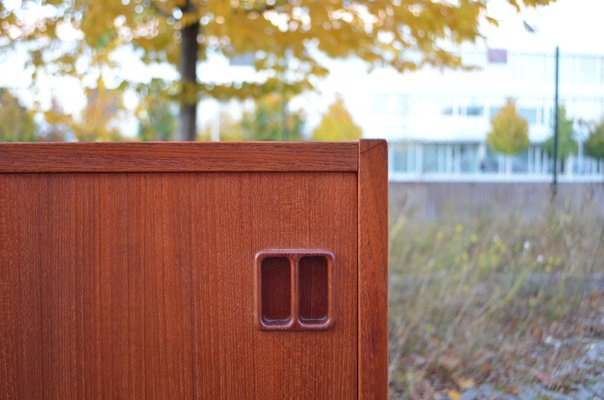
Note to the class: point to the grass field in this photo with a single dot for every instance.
(495, 299)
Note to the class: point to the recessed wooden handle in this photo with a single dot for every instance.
(276, 290)
(313, 289)
(294, 289)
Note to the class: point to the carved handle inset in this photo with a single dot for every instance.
(294, 289)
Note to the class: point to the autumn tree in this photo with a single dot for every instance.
(337, 124)
(157, 123)
(97, 121)
(228, 128)
(16, 122)
(567, 144)
(287, 38)
(509, 131)
(58, 123)
(272, 119)
(594, 145)
(155, 114)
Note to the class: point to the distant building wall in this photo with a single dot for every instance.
(414, 160)
(433, 200)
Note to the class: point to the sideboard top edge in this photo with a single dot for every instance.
(179, 157)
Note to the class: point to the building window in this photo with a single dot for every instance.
(474, 110)
(528, 113)
(400, 157)
(468, 154)
(493, 111)
(430, 158)
(447, 111)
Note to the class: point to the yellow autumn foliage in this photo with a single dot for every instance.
(286, 39)
(279, 34)
(509, 131)
(97, 121)
(337, 125)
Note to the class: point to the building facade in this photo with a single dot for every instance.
(437, 121)
(415, 160)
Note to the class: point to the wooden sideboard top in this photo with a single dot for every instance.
(179, 157)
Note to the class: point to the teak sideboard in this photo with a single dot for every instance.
(193, 270)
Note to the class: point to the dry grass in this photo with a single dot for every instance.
(492, 300)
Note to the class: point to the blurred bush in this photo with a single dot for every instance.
(16, 123)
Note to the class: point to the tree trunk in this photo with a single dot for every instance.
(188, 75)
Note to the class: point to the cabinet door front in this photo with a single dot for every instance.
(149, 285)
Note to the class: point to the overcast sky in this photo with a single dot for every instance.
(576, 25)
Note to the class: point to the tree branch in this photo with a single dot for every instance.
(158, 9)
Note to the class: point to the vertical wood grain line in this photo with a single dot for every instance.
(373, 270)
(8, 342)
(293, 265)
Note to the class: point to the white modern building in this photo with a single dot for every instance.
(443, 135)
(437, 120)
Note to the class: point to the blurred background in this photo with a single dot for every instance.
(494, 114)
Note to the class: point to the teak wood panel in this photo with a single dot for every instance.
(140, 285)
(373, 269)
(178, 157)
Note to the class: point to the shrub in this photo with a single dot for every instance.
(337, 125)
(594, 145)
(509, 131)
(567, 144)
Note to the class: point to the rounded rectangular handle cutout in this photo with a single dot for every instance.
(275, 282)
(313, 290)
(294, 289)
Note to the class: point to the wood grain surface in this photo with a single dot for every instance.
(141, 285)
(178, 157)
(373, 269)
